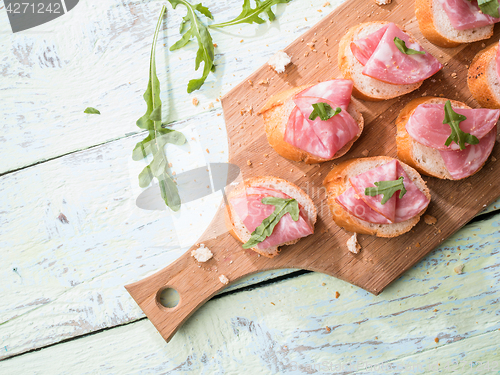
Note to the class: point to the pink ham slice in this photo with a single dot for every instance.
(426, 124)
(322, 138)
(386, 172)
(400, 209)
(388, 64)
(464, 15)
(464, 163)
(363, 48)
(353, 204)
(336, 91)
(413, 202)
(250, 209)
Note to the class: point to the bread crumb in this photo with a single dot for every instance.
(279, 61)
(383, 2)
(337, 294)
(323, 284)
(266, 155)
(202, 254)
(249, 162)
(195, 101)
(454, 75)
(264, 81)
(328, 329)
(211, 105)
(223, 279)
(250, 82)
(352, 244)
(483, 45)
(208, 151)
(430, 220)
(326, 4)
(436, 340)
(459, 269)
(215, 45)
(493, 158)
(365, 153)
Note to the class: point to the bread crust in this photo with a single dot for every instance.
(405, 142)
(425, 17)
(347, 70)
(276, 112)
(423, 12)
(477, 78)
(241, 234)
(336, 182)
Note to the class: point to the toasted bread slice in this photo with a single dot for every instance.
(424, 159)
(238, 229)
(337, 181)
(367, 88)
(276, 112)
(482, 78)
(437, 29)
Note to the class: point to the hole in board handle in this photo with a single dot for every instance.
(168, 297)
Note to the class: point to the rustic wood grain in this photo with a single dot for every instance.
(382, 260)
(274, 327)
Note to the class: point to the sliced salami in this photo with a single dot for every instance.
(388, 64)
(363, 48)
(386, 172)
(353, 204)
(322, 138)
(426, 124)
(250, 209)
(464, 14)
(463, 163)
(413, 202)
(336, 91)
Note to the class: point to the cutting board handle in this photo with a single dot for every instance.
(194, 281)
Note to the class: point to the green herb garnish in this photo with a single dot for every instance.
(154, 143)
(249, 15)
(199, 31)
(407, 51)
(388, 188)
(457, 135)
(489, 7)
(92, 111)
(324, 111)
(265, 229)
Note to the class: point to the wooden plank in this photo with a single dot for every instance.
(269, 328)
(326, 250)
(98, 55)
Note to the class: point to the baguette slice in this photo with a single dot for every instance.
(482, 78)
(424, 159)
(437, 29)
(276, 112)
(337, 181)
(238, 229)
(367, 88)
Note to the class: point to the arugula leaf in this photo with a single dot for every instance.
(199, 31)
(457, 135)
(265, 229)
(158, 137)
(388, 188)
(407, 51)
(324, 111)
(249, 15)
(92, 111)
(489, 7)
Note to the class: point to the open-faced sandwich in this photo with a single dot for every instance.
(378, 195)
(383, 61)
(448, 23)
(267, 212)
(445, 138)
(313, 123)
(483, 77)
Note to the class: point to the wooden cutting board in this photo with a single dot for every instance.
(380, 261)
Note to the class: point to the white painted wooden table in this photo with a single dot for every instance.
(71, 235)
